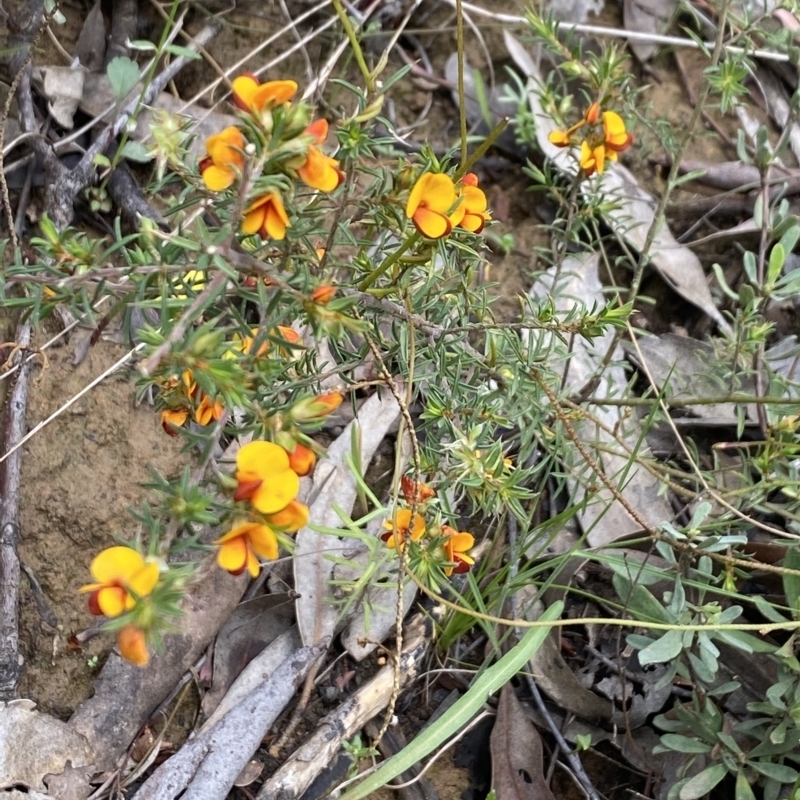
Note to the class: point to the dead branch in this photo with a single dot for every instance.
(297, 773)
(10, 479)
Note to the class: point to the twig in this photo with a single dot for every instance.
(10, 479)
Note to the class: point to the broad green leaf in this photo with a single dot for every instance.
(778, 772)
(661, 650)
(136, 151)
(461, 711)
(684, 744)
(702, 783)
(743, 790)
(123, 75)
(777, 258)
(177, 50)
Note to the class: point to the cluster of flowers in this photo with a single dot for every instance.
(436, 205)
(441, 543)
(184, 400)
(133, 590)
(602, 136)
(288, 145)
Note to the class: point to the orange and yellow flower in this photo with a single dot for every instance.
(473, 204)
(302, 459)
(251, 95)
(208, 411)
(456, 546)
(401, 528)
(311, 408)
(431, 204)
(132, 643)
(122, 576)
(598, 146)
(412, 489)
(172, 418)
(267, 217)
(265, 477)
(225, 159)
(322, 295)
(319, 171)
(289, 519)
(240, 548)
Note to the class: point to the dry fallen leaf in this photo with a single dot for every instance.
(334, 487)
(516, 747)
(34, 745)
(647, 16)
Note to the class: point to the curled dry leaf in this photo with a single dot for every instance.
(630, 209)
(516, 748)
(334, 487)
(34, 745)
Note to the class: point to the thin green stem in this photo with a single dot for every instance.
(462, 99)
(388, 262)
(350, 32)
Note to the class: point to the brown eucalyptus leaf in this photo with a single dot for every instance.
(34, 745)
(516, 748)
(334, 487)
(90, 49)
(630, 210)
(253, 625)
(647, 16)
(687, 368)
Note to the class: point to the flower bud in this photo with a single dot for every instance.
(323, 294)
(302, 460)
(289, 519)
(132, 644)
(312, 408)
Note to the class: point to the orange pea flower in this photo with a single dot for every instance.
(430, 203)
(473, 204)
(121, 577)
(456, 546)
(265, 477)
(240, 547)
(411, 489)
(225, 158)
(132, 643)
(267, 217)
(291, 518)
(402, 528)
(323, 294)
(311, 408)
(208, 411)
(172, 418)
(302, 459)
(598, 146)
(319, 171)
(250, 94)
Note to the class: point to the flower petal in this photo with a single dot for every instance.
(318, 129)
(559, 138)
(276, 220)
(116, 565)
(217, 179)
(431, 224)
(263, 541)
(232, 555)
(272, 93)
(112, 600)
(276, 493)
(440, 193)
(319, 171)
(254, 220)
(145, 580)
(244, 87)
(262, 459)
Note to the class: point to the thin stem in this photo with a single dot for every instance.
(358, 53)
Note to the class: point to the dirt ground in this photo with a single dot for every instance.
(85, 469)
